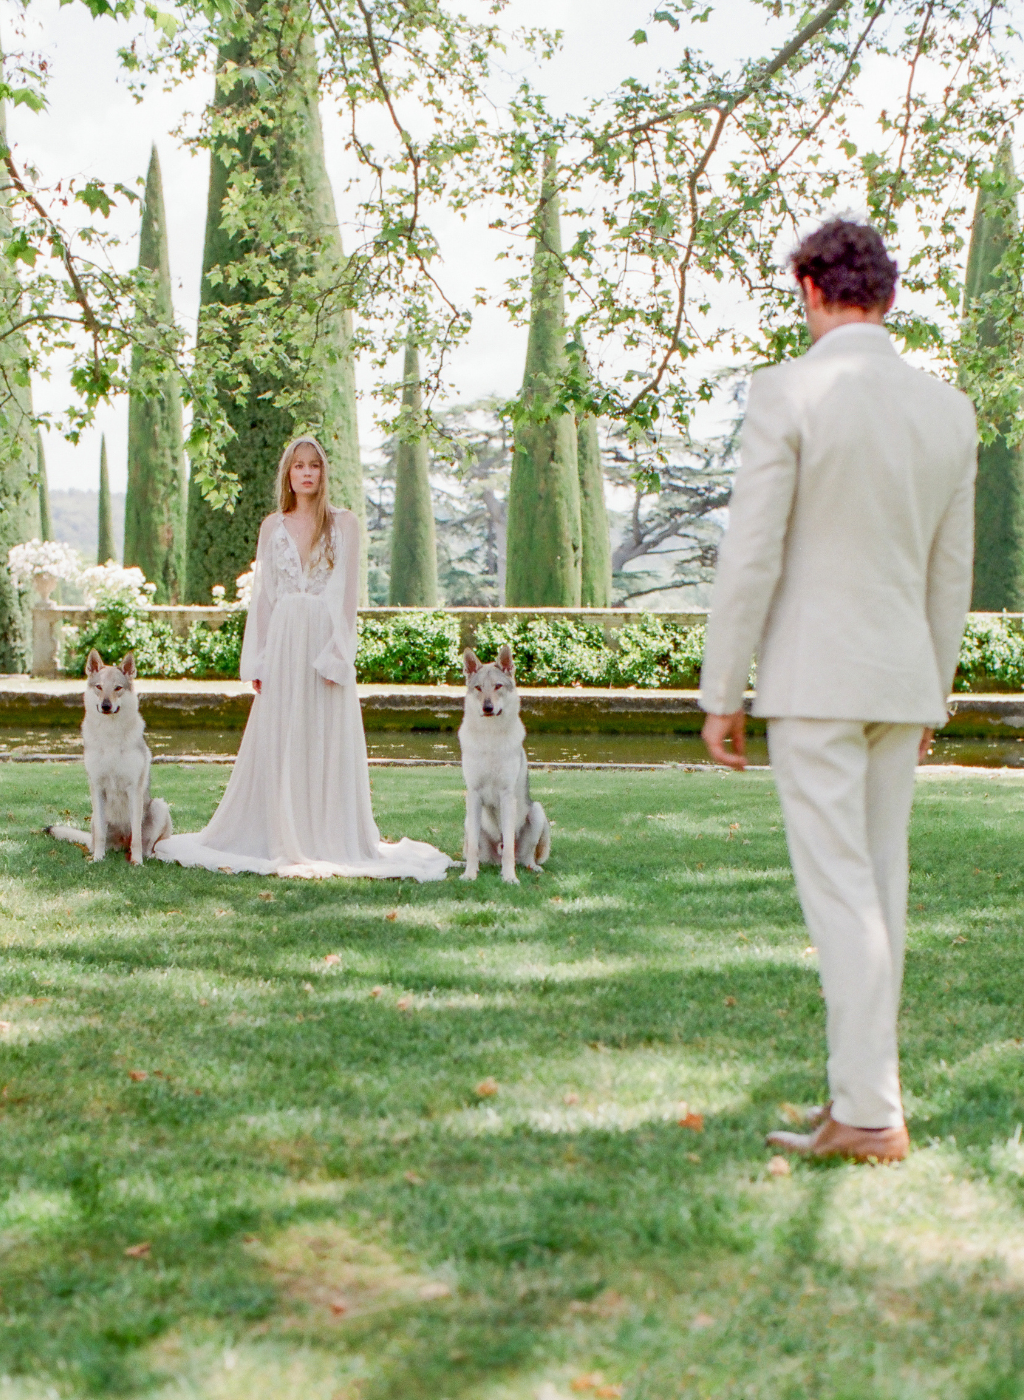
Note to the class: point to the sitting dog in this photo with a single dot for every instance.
(502, 825)
(117, 761)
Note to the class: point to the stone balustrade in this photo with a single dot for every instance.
(49, 620)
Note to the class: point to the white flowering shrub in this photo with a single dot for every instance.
(109, 581)
(243, 585)
(43, 558)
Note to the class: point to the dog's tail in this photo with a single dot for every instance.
(544, 843)
(70, 833)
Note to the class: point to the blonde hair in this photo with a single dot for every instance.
(286, 502)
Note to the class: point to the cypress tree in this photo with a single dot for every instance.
(105, 547)
(155, 502)
(544, 525)
(413, 543)
(285, 159)
(596, 580)
(19, 497)
(45, 523)
(999, 497)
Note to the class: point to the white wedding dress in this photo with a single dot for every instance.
(298, 801)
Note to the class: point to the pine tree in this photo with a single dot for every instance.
(105, 547)
(19, 498)
(413, 542)
(544, 525)
(287, 159)
(999, 497)
(45, 523)
(155, 502)
(596, 581)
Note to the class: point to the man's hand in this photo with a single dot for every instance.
(717, 729)
(257, 686)
(927, 735)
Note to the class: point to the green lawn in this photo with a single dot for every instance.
(328, 1207)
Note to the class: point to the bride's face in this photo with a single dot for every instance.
(304, 473)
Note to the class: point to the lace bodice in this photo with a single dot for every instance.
(287, 564)
(279, 574)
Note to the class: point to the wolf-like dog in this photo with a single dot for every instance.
(117, 761)
(502, 825)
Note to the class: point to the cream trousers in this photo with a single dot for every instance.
(846, 789)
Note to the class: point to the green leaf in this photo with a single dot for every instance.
(166, 23)
(663, 17)
(94, 196)
(640, 36)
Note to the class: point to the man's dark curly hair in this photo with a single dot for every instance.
(849, 263)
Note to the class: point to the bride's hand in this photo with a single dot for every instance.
(257, 686)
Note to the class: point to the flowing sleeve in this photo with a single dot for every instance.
(261, 605)
(337, 661)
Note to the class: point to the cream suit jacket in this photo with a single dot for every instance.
(847, 562)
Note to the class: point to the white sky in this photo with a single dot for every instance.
(93, 127)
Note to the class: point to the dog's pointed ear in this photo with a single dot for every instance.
(505, 660)
(127, 666)
(94, 663)
(470, 661)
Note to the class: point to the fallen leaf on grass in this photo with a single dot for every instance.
(414, 1179)
(693, 1157)
(791, 1112)
(339, 1308)
(137, 1251)
(778, 1166)
(222, 912)
(404, 1003)
(555, 899)
(138, 1075)
(332, 958)
(376, 991)
(701, 1321)
(693, 1121)
(590, 1381)
(730, 1001)
(266, 894)
(487, 1088)
(392, 916)
(608, 1392)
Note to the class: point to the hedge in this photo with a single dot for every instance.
(422, 648)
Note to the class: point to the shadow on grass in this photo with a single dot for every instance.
(580, 1226)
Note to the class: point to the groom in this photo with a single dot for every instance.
(847, 568)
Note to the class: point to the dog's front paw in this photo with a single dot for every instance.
(135, 860)
(512, 879)
(468, 875)
(98, 855)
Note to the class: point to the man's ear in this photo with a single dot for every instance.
(470, 662)
(94, 663)
(127, 666)
(505, 660)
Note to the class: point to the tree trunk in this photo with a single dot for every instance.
(105, 547)
(413, 542)
(544, 525)
(155, 502)
(999, 497)
(286, 160)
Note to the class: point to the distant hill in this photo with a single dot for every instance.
(75, 514)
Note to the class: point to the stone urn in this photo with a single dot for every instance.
(44, 586)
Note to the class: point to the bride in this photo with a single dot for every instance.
(298, 802)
